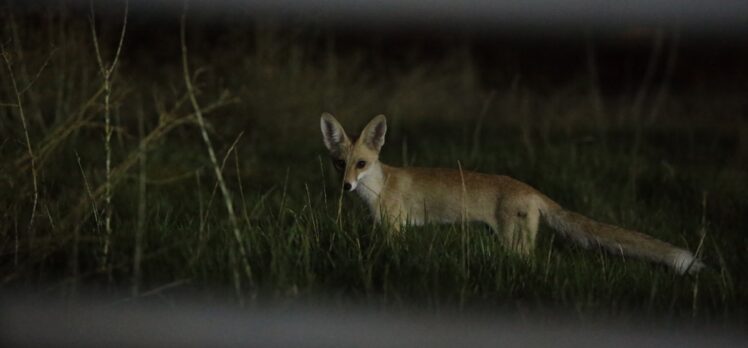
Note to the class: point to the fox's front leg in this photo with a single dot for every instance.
(391, 219)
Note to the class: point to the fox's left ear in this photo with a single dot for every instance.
(373, 133)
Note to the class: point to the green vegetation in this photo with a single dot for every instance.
(673, 167)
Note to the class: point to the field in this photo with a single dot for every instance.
(107, 184)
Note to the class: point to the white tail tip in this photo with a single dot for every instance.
(684, 262)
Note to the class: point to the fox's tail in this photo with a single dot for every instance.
(589, 233)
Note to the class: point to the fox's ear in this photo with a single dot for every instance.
(332, 132)
(373, 133)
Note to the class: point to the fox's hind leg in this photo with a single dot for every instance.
(531, 222)
(519, 226)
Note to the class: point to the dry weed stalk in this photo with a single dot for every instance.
(167, 122)
(59, 134)
(106, 73)
(29, 148)
(139, 230)
(211, 153)
(23, 71)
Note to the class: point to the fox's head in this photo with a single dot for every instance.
(353, 157)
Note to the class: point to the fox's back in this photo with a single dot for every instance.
(440, 194)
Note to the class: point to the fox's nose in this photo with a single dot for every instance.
(347, 186)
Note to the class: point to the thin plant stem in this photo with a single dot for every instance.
(139, 229)
(211, 153)
(106, 73)
(29, 149)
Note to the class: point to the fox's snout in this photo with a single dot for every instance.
(350, 184)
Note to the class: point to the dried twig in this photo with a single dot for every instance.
(211, 153)
(29, 149)
(106, 73)
(139, 230)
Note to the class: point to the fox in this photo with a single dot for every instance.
(513, 210)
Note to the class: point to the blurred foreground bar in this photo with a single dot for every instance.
(37, 323)
(723, 18)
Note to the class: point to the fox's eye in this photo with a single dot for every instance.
(339, 164)
(360, 164)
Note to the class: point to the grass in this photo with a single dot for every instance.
(676, 175)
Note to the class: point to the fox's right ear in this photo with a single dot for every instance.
(332, 132)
